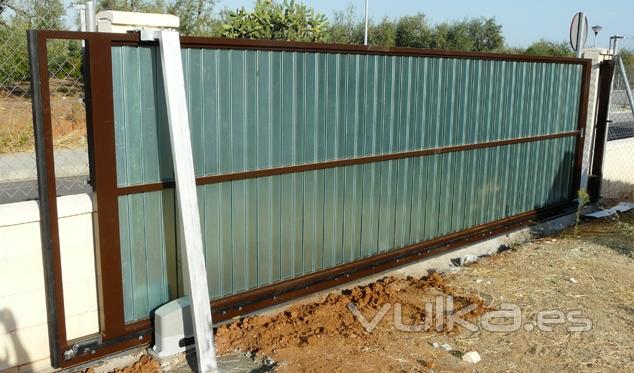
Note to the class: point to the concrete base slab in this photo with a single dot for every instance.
(236, 363)
(113, 362)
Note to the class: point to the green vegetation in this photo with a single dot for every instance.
(549, 48)
(276, 21)
(474, 34)
(583, 198)
(32, 14)
(269, 19)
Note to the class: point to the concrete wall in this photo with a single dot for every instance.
(618, 169)
(23, 328)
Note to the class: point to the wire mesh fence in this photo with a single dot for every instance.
(18, 176)
(618, 169)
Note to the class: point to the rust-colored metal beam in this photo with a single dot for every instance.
(133, 38)
(106, 227)
(212, 179)
(45, 162)
(606, 73)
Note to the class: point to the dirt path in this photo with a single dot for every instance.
(549, 280)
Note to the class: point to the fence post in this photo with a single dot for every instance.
(47, 196)
(605, 82)
(596, 55)
(180, 139)
(91, 17)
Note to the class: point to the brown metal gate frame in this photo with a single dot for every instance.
(115, 335)
(606, 74)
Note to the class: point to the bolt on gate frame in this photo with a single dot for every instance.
(117, 332)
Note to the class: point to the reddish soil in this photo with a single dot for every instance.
(329, 338)
(144, 365)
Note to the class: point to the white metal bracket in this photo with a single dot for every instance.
(149, 35)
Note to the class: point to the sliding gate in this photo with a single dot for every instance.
(316, 164)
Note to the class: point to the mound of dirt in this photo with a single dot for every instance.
(145, 364)
(329, 326)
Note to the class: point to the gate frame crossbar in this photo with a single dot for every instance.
(115, 335)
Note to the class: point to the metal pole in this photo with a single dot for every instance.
(580, 29)
(43, 193)
(606, 70)
(91, 17)
(82, 16)
(616, 43)
(365, 35)
(81, 8)
(628, 90)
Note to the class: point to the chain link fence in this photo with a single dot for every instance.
(18, 176)
(618, 166)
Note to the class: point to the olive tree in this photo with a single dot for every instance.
(276, 21)
(549, 48)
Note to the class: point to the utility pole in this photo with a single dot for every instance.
(365, 35)
(91, 10)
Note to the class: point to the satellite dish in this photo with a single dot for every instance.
(577, 42)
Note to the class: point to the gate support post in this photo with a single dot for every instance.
(174, 82)
(47, 194)
(606, 71)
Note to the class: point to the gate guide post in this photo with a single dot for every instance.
(174, 82)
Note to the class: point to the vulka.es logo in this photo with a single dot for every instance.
(441, 316)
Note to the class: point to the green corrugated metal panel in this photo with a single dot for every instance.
(255, 109)
(147, 239)
(258, 109)
(254, 237)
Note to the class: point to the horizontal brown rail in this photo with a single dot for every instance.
(80, 35)
(213, 179)
(223, 43)
(241, 304)
(133, 38)
(89, 355)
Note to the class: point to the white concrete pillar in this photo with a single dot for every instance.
(597, 55)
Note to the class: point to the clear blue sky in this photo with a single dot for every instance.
(522, 21)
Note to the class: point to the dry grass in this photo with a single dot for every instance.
(16, 125)
(538, 276)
